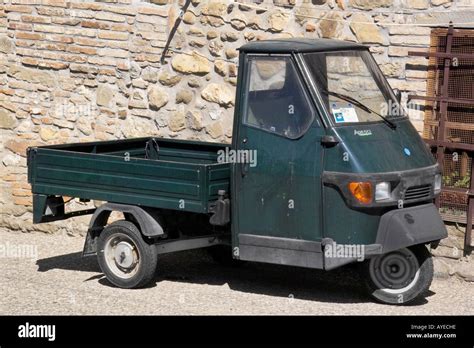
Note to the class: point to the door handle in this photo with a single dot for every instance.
(329, 140)
(244, 168)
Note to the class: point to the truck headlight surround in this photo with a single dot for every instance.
(383, 191)
(437, 183)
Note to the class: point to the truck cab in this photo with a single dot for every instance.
(324, 169)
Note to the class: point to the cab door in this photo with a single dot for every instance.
(277, 196)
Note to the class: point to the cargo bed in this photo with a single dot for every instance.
(176, 174)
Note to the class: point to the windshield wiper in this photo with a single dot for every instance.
(360, 105)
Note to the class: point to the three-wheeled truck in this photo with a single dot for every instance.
(325, 169)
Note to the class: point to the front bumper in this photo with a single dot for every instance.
(398, 228)
(410, 186)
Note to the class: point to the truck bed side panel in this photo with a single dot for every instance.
(182, 185)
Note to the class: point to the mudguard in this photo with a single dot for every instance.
(400, 228)
(147, 220)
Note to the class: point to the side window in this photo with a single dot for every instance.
(276, 100)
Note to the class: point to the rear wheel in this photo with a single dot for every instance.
(401, 276)
(125, 258)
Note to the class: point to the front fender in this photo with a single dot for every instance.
(401, 228)
(398, 228)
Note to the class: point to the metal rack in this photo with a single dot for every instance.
(449, 120)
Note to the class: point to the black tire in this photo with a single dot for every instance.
(399, 277)
(222, 254)
(122, 239)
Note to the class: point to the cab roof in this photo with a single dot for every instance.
(299, 45)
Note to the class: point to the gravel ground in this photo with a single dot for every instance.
(60, 281)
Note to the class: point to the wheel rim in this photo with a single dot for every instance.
(395, 272)
(122, 256)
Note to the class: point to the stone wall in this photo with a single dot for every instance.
(450, 259)
(76, 71)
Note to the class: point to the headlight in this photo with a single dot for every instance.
(382, 191)
(437, 183)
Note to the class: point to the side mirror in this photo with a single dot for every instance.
(398, 95)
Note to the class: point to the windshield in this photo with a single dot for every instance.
(352, 86)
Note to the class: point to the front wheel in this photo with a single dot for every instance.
(401, 276)
(125, 258)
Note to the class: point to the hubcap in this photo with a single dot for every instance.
(395, 272)
(122, 255)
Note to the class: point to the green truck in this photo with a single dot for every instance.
(324, 170)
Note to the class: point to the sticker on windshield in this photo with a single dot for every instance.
(344, 114)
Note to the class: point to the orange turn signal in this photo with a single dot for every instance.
(362, 191)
